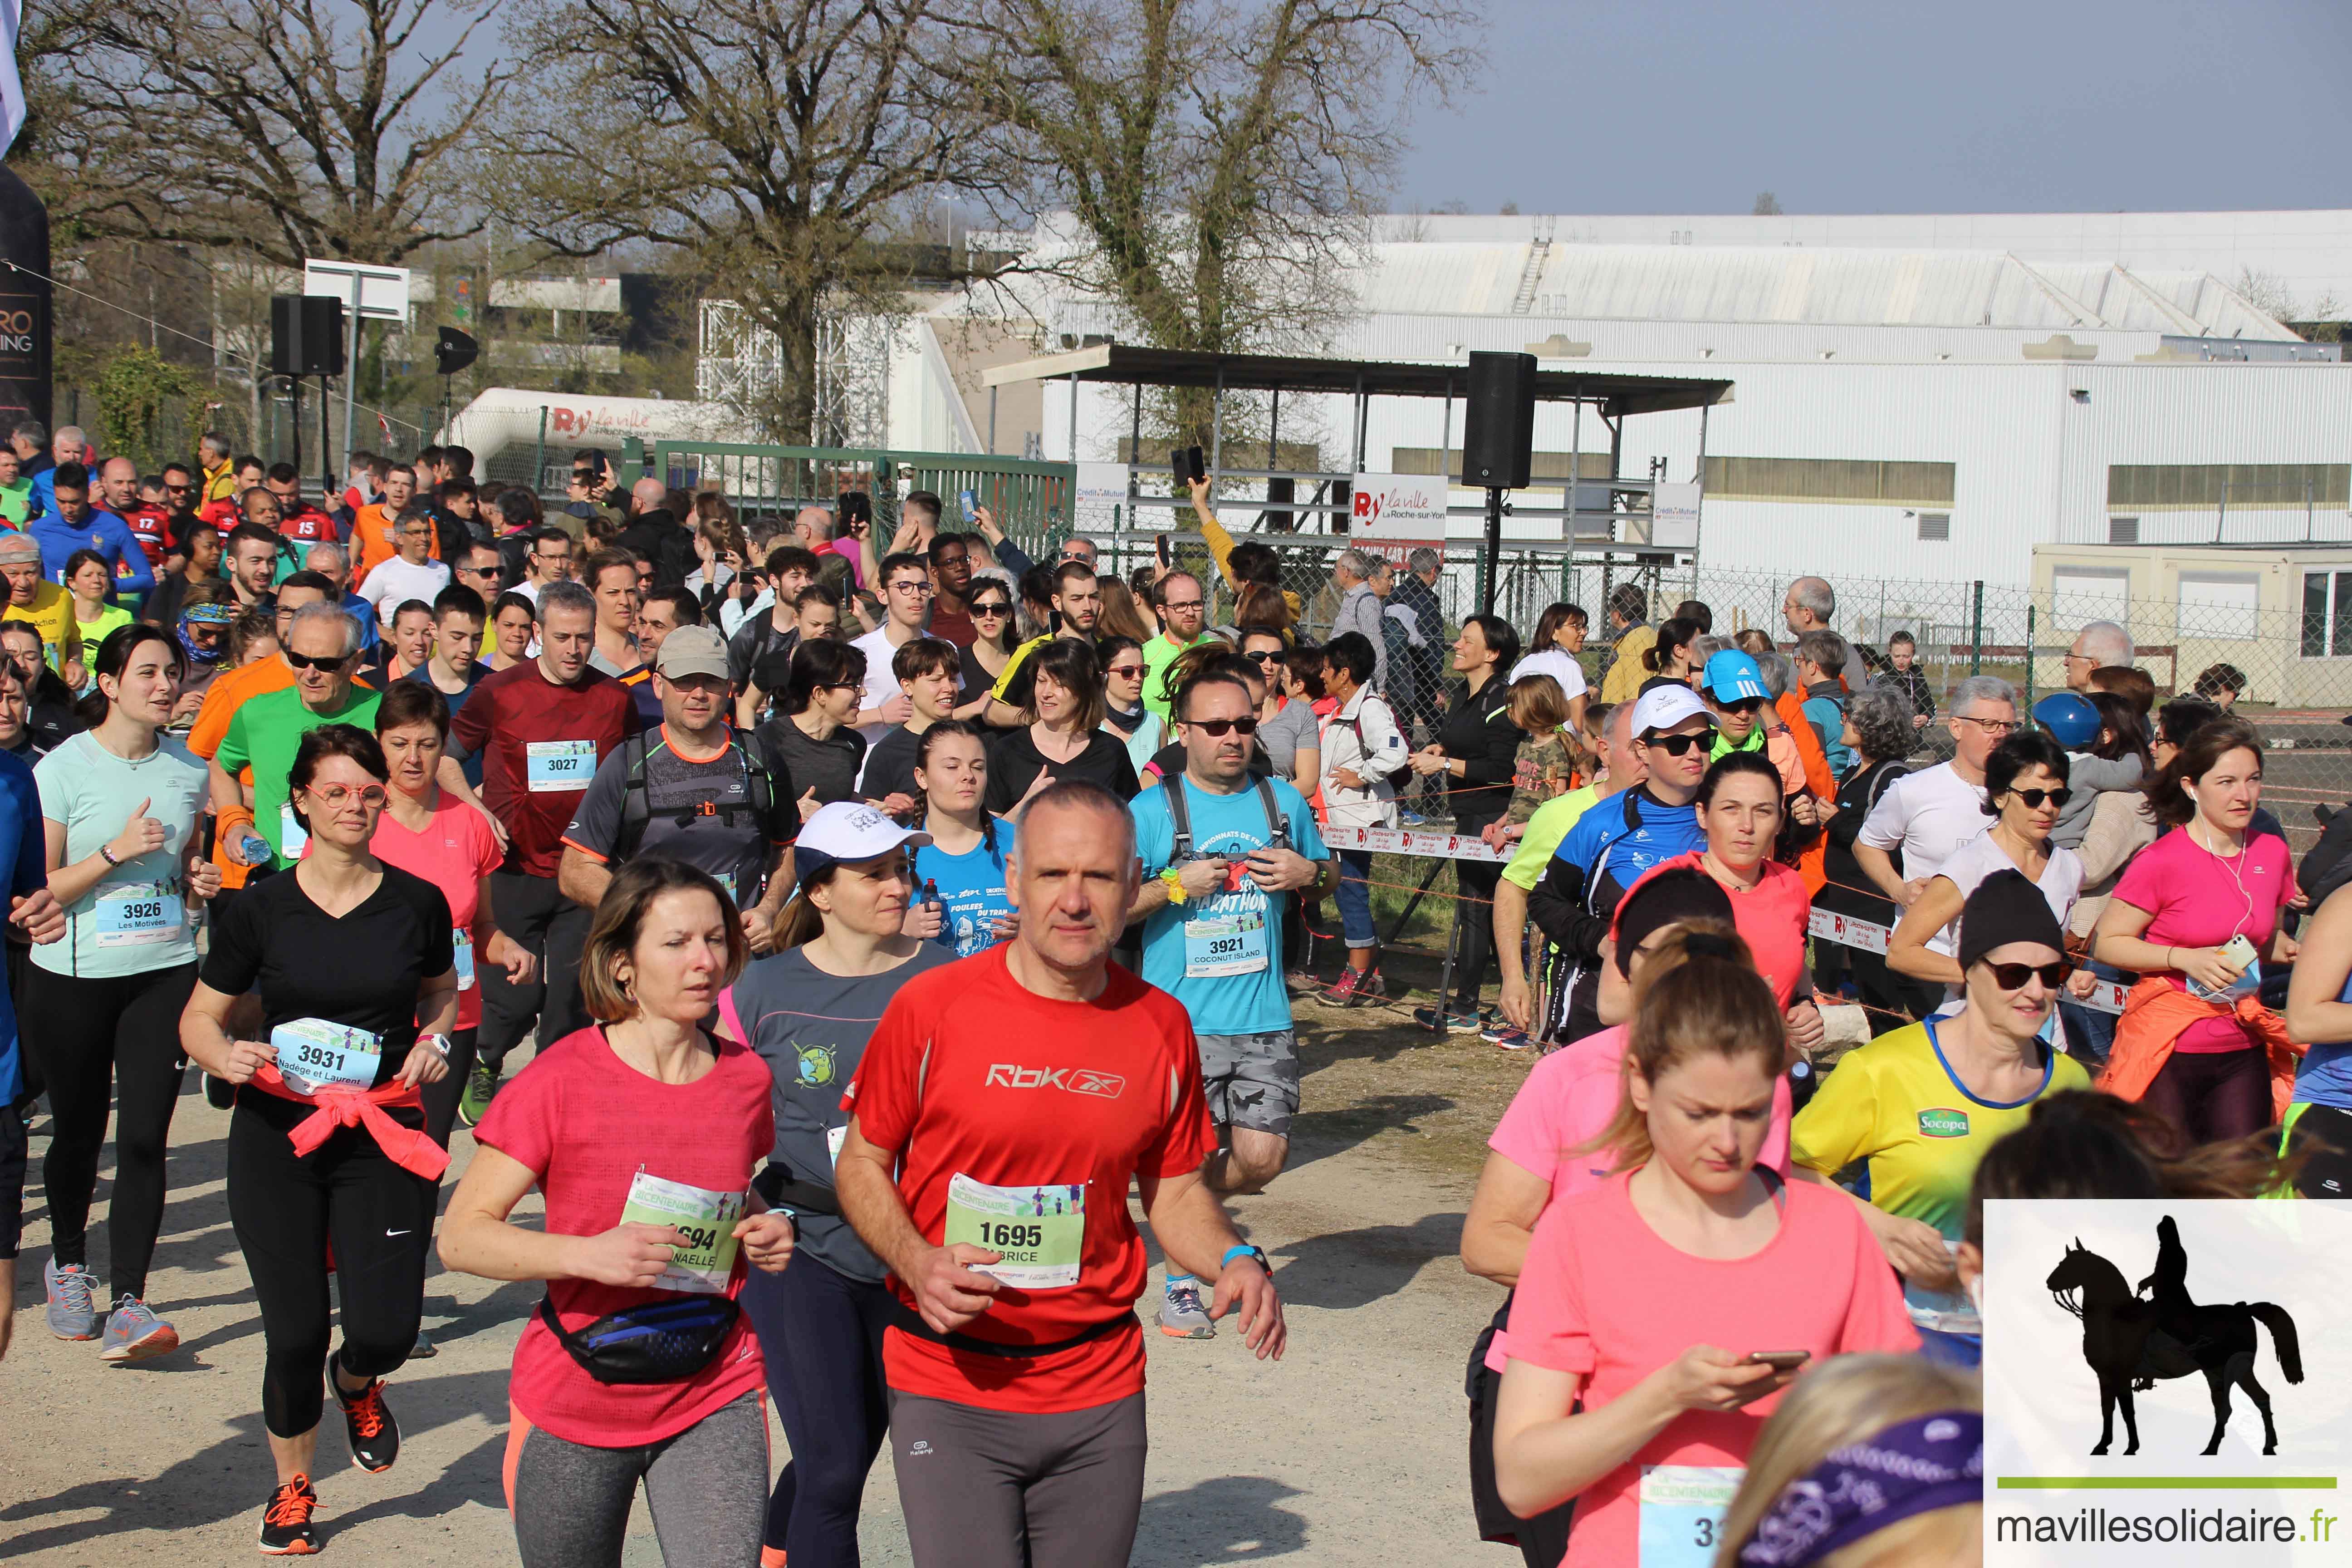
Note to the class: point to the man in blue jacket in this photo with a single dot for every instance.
(68, 445)
(1620, 838)
(74, 525)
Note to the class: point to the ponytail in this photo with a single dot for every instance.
(1698, 994)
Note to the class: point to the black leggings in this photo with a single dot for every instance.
(2213, 1096)
(532, 912)
(1474, 879)
(115, 1039)
(441, 1098)
(287, 1209)
(822, 1334)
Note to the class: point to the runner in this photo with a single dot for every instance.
(906, 603)
(76, 524)
(268, 730)
(2194, 916)
(88, 579)
(412, 574)
(1929, 814)
(514, 630)
(35, 917)
(342, 1042)
(122, 807)
(1287, 735)
(1607, 851)
(925, 669)
(611, 576)
(1076, 605)
(811, 737)
(1362, 757)
(43, 605)
(430, 832)
(960, 873)
(1061, 734)
(989, 653)
(1922, 1103)
(1017, 1395)
(1215, 847)
(1651, 1290)
(407, 646)
(693, 791)
(2318, 1126)
(1879, 731)
(543, 728)
(641, 1134)
(809, 1010)
(453, 670)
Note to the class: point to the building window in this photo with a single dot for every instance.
(1934, 528)
(1864, 481)
(2219, 606)
(2203, 487)
(2123, 530)
(2328, 615)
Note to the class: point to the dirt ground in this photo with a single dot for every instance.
(1351, 1449)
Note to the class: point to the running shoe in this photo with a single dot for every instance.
(73, 1300)
(425, 1350)
(1181, 1316)
(133, 1332)
(375, 1435)
(285, 1528)
(1355, 987)
(1503, 1036)
(1411, 819)
(1452, 1020)
(480, 1085)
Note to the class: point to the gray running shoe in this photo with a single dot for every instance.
(1181, 1316)
(73, 1300)
(425, 1347)
(133, 1332)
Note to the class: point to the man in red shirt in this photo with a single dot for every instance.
(541, 727)
(1001, 1111)
(298, 518)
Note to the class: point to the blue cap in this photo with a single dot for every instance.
(2072, 720)
(1732, 677)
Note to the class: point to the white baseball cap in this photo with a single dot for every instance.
(848, 830)
(1663, 707)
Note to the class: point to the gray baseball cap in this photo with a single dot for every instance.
(692, 650)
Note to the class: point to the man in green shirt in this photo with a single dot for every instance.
(15, 491)
(322, 646)
(1181, 607)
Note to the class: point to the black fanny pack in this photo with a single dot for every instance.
(661, 1342)
(780, 1189)
(905, 1318)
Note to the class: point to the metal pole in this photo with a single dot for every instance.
(352, 375)
(1446, 433)
(538, 456)
(1074, 416)
(1273, 437)
(1490, 559)
(1575, 470)
(1698, 512)
(2221, 518)
(1135, 431)
(326, 449)
(1976, 631)
(992, 421)
(2306, 506)
(1217, 423)
(1363, 419)
(2029, 608)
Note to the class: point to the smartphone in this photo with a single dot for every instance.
(1192, 456)
(971, 504)
(1780, 1360)
(1161, 550)
(856, 505)
(2238, 952)
(1180, 467)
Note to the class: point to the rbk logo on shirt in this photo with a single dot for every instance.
(1076, 1080)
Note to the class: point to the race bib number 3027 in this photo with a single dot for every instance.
(553, 766)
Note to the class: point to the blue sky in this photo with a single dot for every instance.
(1602, 105)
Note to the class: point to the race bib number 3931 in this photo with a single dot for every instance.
(1040, 1233)
(1682, 1510)
(316, 1054)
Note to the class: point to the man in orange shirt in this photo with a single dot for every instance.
(372, 536)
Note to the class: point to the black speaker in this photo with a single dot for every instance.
(453, 351)
(306, 334)
(1498, 425)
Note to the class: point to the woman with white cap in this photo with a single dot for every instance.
(808, 1010)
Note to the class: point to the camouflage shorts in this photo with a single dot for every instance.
(1252, 1080)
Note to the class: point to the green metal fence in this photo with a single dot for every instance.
(1031, 501)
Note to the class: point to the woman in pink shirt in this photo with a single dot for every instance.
(1675, 1301)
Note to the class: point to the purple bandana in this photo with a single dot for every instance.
(1914, 1467)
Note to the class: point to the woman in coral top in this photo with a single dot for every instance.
(1674, 1302)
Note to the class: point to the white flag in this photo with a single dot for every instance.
(12, 87)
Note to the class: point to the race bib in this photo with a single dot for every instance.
(1222, 944)
(463, 944)
(834, 1139)
(140, 914)
(315, 1054)
(553, 766)
(1682, 1510)
(1039, 1232)
(706, 1218)
(292, 837)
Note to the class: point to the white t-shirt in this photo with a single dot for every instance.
(395, 582)
(2061, 881)
(881, 685)
(1557, 663)
(1928, 815)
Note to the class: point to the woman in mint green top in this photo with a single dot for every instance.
(86, 577)
(120, 804)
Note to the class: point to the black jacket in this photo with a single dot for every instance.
(1849, 890)
(655, 536)
(1479, 733)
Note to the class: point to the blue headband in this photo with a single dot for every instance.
(1912, 1467)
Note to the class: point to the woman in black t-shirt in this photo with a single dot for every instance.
(1063, 738)
(811, 737)
(991, 648)
(346, 954)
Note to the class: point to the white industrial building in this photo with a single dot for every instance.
(1931, 397)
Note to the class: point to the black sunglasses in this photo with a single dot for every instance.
(1749, 705)
(307, 661)
(1265, 656)
(991, 609)
(1676, 745)
(2011, 976)
(1216, 728)
(2034, 797)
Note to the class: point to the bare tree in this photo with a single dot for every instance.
(781, 144)
(282, 128)
(1767, 205)
(1218, 156)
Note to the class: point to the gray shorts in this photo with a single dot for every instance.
(1252, 1080)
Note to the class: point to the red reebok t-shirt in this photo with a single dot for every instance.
(585, 1122)
(970, 1075)
(517, 709)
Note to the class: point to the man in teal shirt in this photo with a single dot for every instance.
(1182, 608)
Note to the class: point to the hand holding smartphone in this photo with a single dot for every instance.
(1778, 1361)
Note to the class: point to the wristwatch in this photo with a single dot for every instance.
(1247, 1250)
(1176, 894)
(440, 1043)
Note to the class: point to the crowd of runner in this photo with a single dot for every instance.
(876, 915)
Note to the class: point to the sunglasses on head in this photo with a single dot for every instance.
(1677, 745)
(2034, 797)
(2012, 977)
(311, 662)
(1216, 728)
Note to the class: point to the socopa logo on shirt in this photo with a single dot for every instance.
(815, 1064)
(1943, 1122)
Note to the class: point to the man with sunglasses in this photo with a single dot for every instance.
(1218, 847)
(1613, 844)
(1923, 817)
(906, 603)
(1182, 606)
(413, 574)
(322, 647)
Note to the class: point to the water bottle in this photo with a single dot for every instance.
(931, 899)
(254, 848)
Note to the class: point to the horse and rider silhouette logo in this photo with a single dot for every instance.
(2133, 1338)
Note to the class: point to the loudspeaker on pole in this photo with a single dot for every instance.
(306, 334)
(1498, 425)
